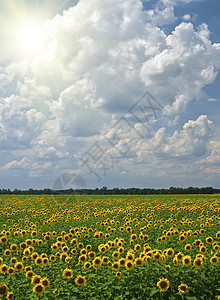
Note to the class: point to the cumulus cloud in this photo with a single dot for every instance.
(187, 144)
(101, 57)
(25, 163)
(19, 124)
(189, 151)
(186, 17)
(179, 72)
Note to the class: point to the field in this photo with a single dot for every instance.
(110, 247)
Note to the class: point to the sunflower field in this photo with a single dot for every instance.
(110, 247)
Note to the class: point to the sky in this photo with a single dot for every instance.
(109, 93)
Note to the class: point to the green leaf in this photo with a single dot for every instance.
(153, 291)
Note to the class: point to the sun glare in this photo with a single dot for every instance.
(22, 32)
(30, 38)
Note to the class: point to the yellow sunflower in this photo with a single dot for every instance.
(186, 261)
(163, 284)
(97, 262)
(39, 289)
(183, 288)
(214, 260)
(80, 281)
(129, 265)
(198, 262)
(3, 289)
(67, 273)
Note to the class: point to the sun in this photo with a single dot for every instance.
(30, 38)
(23, 33)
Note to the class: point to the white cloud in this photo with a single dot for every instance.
(179, 72)
(25, 163)
(77, 110)
(190, 143)
(102, 56)
(186, 17)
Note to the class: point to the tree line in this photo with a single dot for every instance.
(114, 191)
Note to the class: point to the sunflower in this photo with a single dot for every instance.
(170, 252)
(83, 251)
(29, 242)
(147, 258)
(29, 274)
(54, 247)
(39, 289)
(183, 288)
(34, 255)
(23, 246)
(67, 273)
(88, 248)
(122, 262)
(45, 282)
(65, 249)
(26, 252)
(186, 261)
(40, 242)
(179, 256)
(4, 239)
(63, 256)
(13, 260)
(203, 249)
(38, 261)
(3, 289)
(216, 247)
(80, 245)
(182, 237)
(91, 255)
(80, 281)
(163, 284)
(133, 236)
(130, 256)
(73, 251)
(87, 265)
(209, 240)
(105, 260)
(102, 248)
(116, 255)
(82, 258)
(97, 262)
(10, 271)
(118, 274)
(139, 262)
(34, 233)
(10, 296)
(14, 247)
(214, 260)
(19, 266)
(167, 268)
(188, 247)
(28, 268)
(137, 247)
(7, 252)
(175, 262)
(52, 257)
(156, 255)
(198, 262)
(36, 279)
(201, 256)
(129, 265)
(116, 266)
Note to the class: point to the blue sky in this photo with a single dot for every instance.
(109, 93)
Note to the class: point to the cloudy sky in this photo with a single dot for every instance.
(120, 93)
